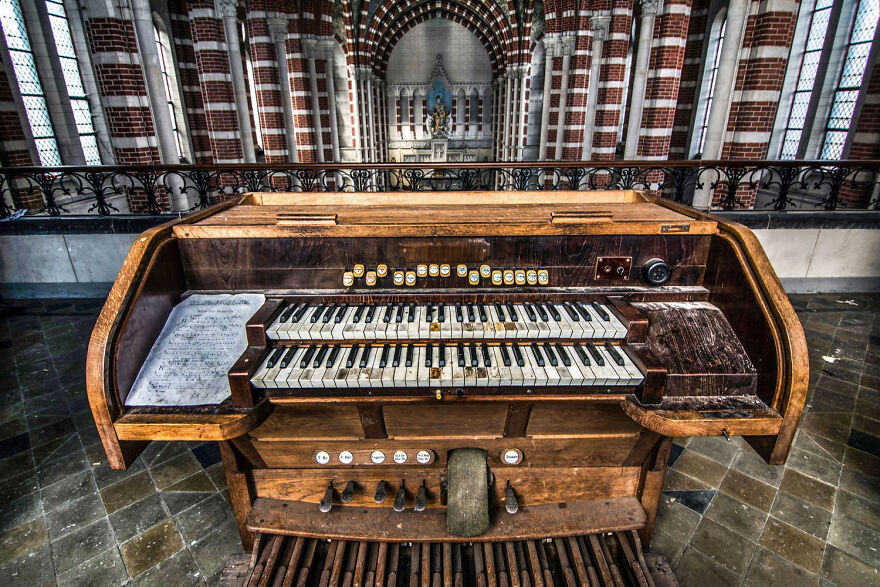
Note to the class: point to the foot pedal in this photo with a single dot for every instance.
(467, 504)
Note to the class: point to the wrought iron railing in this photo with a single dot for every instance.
(155, 189)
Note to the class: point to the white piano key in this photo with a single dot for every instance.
(501, 371)
(599, 326)
(635, 375)
(588, 376)
(557, 327)
(458, 379)
(528, 372)
(617, 374)
(338, 327)
(400, 370)
(617, 326)
(412, 372)
(575, 375)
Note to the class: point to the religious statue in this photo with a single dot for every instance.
(438, 122)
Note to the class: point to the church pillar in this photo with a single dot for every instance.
(330, 72)
(460, 103)
(226, 10)
(600, 26)
(278, 32)
(419, 116)
(549, 49)
(394, 121)
(505, 122)
(523, 111)
(650, 9)
(310, 49)
(567, 47)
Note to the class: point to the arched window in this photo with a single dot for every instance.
(25, 69)
(709, 78)
(166, 65)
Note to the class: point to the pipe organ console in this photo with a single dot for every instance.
(456, 387)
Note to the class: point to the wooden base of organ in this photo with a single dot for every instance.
(717, 349)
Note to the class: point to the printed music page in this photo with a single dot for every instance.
(202, 338)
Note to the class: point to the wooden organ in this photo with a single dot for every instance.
(431, 374)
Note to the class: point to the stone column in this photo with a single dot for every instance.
(600, 26)
(523, 110)
(737, 14)
(650, 10)
(371, 115)
(567, 47)
(330, 72)
(226, 10)
(393, 120)
(550, 44)
(278, 32)
(460, 107)
(505, 117)
(419, 116)
(310, 49)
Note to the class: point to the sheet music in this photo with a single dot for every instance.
(202, 338)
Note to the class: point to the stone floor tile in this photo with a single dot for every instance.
(57, 449)
(159, 452)
(716, 448)
(812, 465)
(860, 484)
(749, 463)
(723, 546)
(76, 513)
(808, 489)
(105, 569)
(16, 486)
(863, 441)
(57, 494)
(179, 570)
(830, 425)
(21, 540)
(858, 509)
(678, 481)
(768, 568)
(177, 502)
(855, 539)
(748, 490)
(127, 491)
(136, 518)
(175, 469)
(59, 469)
(801, 514)
(151, 547)
(698, 466)
(668, 546)
(202, 518)
(695, 568)
(735, 515)
(85, 543)
(16, 438)
(105, 476)
(207, 454)
(218, 476)
(20, 511)
(845, 570)
(21, 463)
(34, 568)
(696, 500)
(793, 545)
(676, 520)
(200, 482)
(212, 551)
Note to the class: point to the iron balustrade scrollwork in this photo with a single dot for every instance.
(158, 189)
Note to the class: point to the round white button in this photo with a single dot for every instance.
(410, 278)
(322, 458)
(378, 457)
(423, 457)
(511, 456)
(345, 457)
(399, 457)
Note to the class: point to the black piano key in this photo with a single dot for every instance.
(582, 354)
(613, 353)
(554, 362)
(505, 356)
(317, 313)
(458, 316)
(352, 356)
(441, 313)
(563, 354)
(596, 356)
(460, 355)
(288, 356)
(512, 311)
(517, 355)
(411, 315)
(368, 317)
(286, 314)
(585, 314)
(297, 316)
(398, 317)
(473, 352)
(429, 313)
(331, 358)
(429, 355)
(365, 356)
(553, 311)
(329, 313)
(538, 356)
(319, 356)
(340, 312)
(396, 361)
(274, 357)
(601, 311)
(571, 312)
(409, 355)
(307, 356)
(389, 310)
(383, 359)
(487, 362)
(356, 317)
(499, 309)
(483, 316)
(441, 355)
(530, 312)
(470, 313)
(542, 312)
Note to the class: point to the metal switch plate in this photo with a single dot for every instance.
(613, 268)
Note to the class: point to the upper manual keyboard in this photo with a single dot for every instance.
(477, 320)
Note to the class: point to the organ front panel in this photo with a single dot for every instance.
(445, 368)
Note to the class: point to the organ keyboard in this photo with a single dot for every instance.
(439, 368)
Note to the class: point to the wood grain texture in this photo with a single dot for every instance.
(168, 425)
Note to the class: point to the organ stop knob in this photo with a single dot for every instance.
(657, 271)
(421, 499)
(400, 498)
(348, 492)
(327, 501)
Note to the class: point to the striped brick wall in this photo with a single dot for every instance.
(189, 79)
(14, 149)
(866, 137)
(268, 87)
(688, 90)
(611, 90)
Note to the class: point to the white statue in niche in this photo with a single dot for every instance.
(438, 123)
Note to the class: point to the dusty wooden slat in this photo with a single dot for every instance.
(637, 546)
(381, 559)
(479, 567)
(489, 561)
(350, 563)
(308, 560)
(633, 561)
(457, 569)
(370, 576)
(574, 553)
(512, 567)
(436, 565)
(524, 576)
(257, 549)
(599, 558)
(535, 564)
(612, 566)
(414, 565)
(293, 561)
(500, 565)
(271, 560)
(330, 563)
(362, 552)
(588, 561)
(393, 564)
(426, 563)
(567, 572)
(447, 564)
(261, 567)
(542, 561)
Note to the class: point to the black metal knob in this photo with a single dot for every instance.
(379, 496)
(421, 499)
(348, 492)
(400, 498)
(510, 501)
(657, 271)
(327, 501)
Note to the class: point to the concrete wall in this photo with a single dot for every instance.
(413, 59)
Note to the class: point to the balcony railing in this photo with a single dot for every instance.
(160, 189)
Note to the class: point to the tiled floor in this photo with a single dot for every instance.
(726, 518)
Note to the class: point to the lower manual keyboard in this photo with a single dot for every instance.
(463, 364)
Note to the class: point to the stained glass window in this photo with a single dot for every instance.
(806, 79)
(164, 65)
(715, 54)
(844, 101)
(82, 113)
(25, 69)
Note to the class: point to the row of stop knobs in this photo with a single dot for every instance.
(381, 494)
